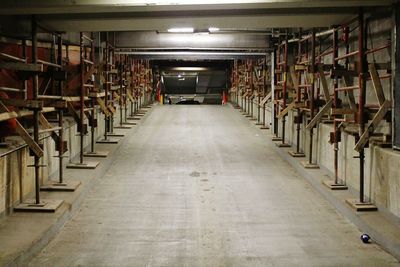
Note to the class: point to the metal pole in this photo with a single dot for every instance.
(82, 99)
(36, 113)
(298, 96)
(312, 93)
(93, 111)
(60, 117)
(106, 91)
(285, 58)
(335, 105)
(361, 96)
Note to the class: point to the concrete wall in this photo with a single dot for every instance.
(17, 179)
(382, 174)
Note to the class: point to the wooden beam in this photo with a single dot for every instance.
(33, 104)
(74, 113)
(319, 115)
(4, 116)
(130, 96)
(24, 134)
(372, 125)
(266, 98)
(324, 84)
(342, 111)
(96, 94)
(49, 128)
(286, 110)
(376, 82)
(350, 93)
(19, 66)
(294, 78)
(103, 107)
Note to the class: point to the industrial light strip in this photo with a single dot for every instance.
(186, 54)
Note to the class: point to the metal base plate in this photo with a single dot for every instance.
(253, 119)
(129, 123)
(122, 126)
(69, 186)
(131, 118)
(264, 128)
(282, 145)
(276, 138)
(85, 165)
(116, 134)
(296, 155)
(259, 123)
(308, 165)
(96, 154)
(108, 141)
(248, 116)
(331, 185)
(46, 205)
(361, 206)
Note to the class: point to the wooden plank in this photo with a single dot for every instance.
(4, 116)
(342, 111)
(35, 104)
(376, 82)
(103, 107)
(112, 109)
(294, 78)
(372, 125)
(319, 115)
(116, 96)
(130, 96)
(300, 67)
(324, 84)
(19, 114)
(286, 110)
(19, 66)
(24, 134)
(265, 99)
(343, 72)
(350, 93)
(74, 113)
(44, 122)
(97, 94)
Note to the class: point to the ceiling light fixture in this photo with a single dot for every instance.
(181, 30)
(213, 29)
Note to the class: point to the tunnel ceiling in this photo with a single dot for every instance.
(134, 15)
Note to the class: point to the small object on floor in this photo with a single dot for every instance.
(365, 238)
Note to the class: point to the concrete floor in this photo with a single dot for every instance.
(200, 186)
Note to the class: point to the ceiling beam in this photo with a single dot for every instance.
(19, 7)
(164, 23)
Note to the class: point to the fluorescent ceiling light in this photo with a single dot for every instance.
(213, 29)
(181, 30)
(189, 68)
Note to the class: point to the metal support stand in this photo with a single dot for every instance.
(38, 204)
(84, 63)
